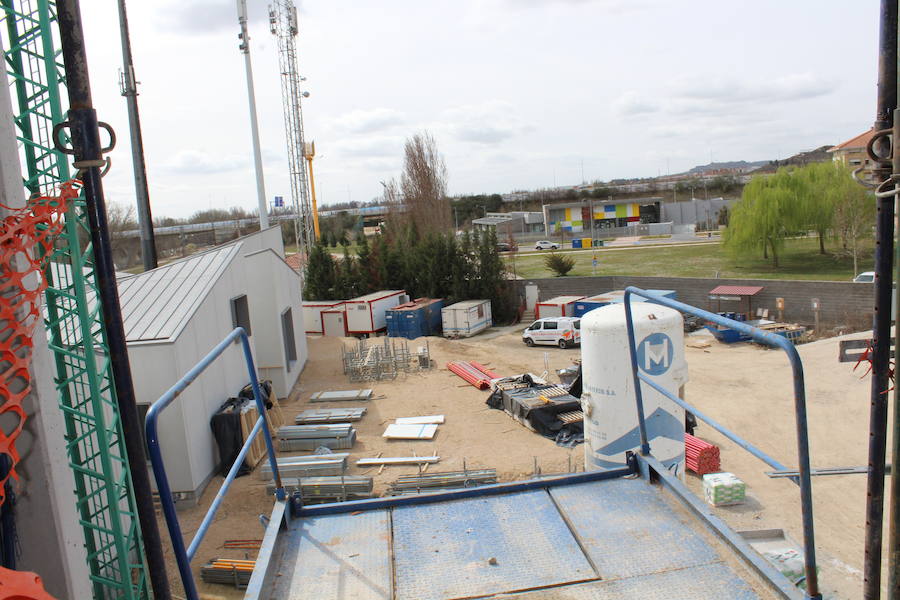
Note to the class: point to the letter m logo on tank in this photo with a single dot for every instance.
(654, 354)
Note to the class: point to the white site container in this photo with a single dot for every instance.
(312, 313)
(610, 413)
(465, 319)
(561, 306)
(334, 321)
(366, 313)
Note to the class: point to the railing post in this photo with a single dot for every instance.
(638, 393)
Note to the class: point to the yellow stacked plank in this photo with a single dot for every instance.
(228, 571)
(249, 414)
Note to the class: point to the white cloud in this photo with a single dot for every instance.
(631, 103)
(369, 147)
(369, 121)
(488, 123)
(199, 162)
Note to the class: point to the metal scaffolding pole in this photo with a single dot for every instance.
(881, 329)
(84, 130)
(141, 190)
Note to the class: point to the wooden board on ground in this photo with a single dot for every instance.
(429, 420)
(249, 415)
(410, 432)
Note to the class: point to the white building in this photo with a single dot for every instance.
(175, 314)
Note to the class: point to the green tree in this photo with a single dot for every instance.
(559, 263)
(320, 275)
(854, 213)
(767, 213)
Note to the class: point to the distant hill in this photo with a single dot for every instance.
(742, 165)
(820, 154)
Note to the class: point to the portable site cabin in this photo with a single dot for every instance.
(415, 319)
(334, 321)
(465, 319)
(366, 314)
(561, 306)
(586, 305)
(175, 314)
(312, 313)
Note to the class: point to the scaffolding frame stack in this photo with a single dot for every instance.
(366, 361)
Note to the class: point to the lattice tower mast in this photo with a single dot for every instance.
(283, 24)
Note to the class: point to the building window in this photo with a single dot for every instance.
(287, 333)
(855, 162)
(240, 313)
(142, 416)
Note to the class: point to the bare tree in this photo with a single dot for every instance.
(424, 185)
(120, 217)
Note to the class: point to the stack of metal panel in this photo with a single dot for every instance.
(336, 436)
(306, 466)
(326, 489)
(315, 416)
(447, 480)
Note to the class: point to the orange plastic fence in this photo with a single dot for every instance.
(21, 585)
(26, 242)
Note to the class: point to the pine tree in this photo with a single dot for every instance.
(320, 275)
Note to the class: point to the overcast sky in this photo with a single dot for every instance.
(519, 94)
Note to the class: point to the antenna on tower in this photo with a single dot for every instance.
(283, 24)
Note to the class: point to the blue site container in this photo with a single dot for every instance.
(576, 243)
(415, 319)
(588, 304)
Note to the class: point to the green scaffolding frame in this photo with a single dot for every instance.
(103, 492)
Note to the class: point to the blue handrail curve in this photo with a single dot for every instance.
(183, 557)
(763, 337)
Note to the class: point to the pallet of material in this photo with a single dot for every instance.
(341, 396)
(314, 416)
(249, 415)
(306, 466)
(326, 489)
(228, 571)
(445, 480)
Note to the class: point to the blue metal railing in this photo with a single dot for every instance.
(183, 557)
(763, 337)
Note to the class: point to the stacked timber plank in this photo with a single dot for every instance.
(326, 489)
(315, 416)
(336, 436)
(249, 415)
(306, 466)
(228, 571)
(472, 372)
(701, 457)
(446, 480)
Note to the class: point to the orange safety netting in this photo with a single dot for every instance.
(26, 242)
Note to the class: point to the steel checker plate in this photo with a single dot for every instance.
(442, 551)
(706, 582)
(344, 557)
(627, 529)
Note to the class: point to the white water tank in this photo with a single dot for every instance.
(610, 413)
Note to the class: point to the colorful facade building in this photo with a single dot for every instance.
(575, 217)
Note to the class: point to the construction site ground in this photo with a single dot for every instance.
(743, 386)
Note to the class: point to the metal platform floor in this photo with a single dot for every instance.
(612, 539)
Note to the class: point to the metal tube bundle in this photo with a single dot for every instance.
(446, 480)
(324, 489)
(309, 437)
(473, 373)
(307, 466)
(701, 457)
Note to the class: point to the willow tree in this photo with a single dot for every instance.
(768, 212)
(815, 185)
(854, 212)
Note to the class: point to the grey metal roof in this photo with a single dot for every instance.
(156, 305)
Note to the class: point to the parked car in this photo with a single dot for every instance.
(546, 245)
(504, 247)
(865, 277)
(554, 331)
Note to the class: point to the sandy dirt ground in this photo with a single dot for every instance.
(745, 387)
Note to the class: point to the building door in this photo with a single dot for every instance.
(531, 296)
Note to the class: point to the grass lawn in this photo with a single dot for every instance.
(800, 260)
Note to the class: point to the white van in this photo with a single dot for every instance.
(555, 331)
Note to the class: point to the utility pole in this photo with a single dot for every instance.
(244, 47)
(128, 84)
